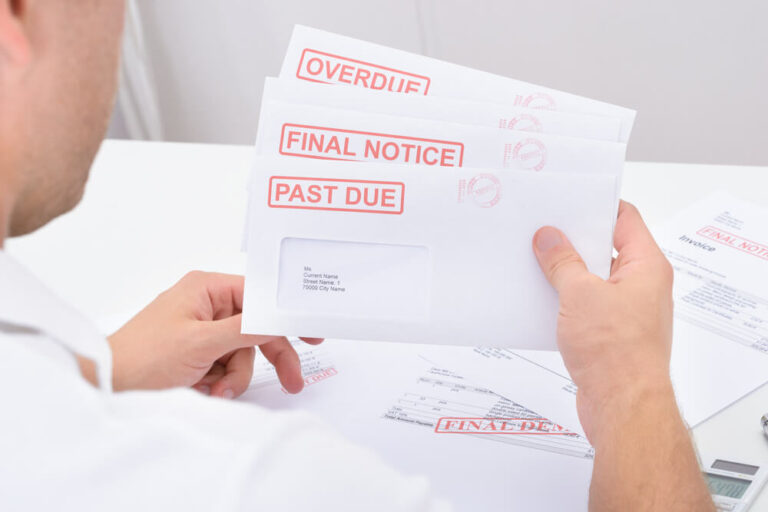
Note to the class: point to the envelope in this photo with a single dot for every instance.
(316, 56)
(480, 113)
(425, 255)
(299, 130)
(321, 133)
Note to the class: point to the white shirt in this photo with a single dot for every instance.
(65, 445)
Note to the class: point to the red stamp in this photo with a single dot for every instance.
(340, 195)
(484, 189)
(540, 100)
(737, 242)
(319, 376)
(339, 144)
(530, 426)
(523, 122)
(327, 68)
(528, 153)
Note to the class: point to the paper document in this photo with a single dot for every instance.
(306, 131)
(719, 250)
(316, 56)
(444, 403)
(301, 130)
(388, 398)
(400, 203)
(442, 255)
(538, 378)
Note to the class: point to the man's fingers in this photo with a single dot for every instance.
(237, 376)
(224, 291)
(631, 233)
(312, 341)
(220, 337)
(636, 245)
(286, 362)
(216, 371)
(557, 257)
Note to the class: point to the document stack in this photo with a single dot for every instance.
(394, 197)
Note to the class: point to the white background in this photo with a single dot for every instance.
(696, 70)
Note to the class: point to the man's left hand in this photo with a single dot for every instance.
(190, 336)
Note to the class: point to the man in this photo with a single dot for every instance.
(69, 442)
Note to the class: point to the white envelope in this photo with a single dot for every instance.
(322, 57)
(481, 113)
(719, 249)
(424, 255)
(322, 133)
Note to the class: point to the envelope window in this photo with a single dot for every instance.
(354, 279)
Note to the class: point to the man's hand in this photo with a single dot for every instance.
(190, 336)
(615, 337)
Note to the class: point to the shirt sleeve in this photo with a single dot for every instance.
(69, 446)
(279, 461)
(311, 467)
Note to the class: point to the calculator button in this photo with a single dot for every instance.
(725, 506)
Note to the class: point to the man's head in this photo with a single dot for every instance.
(58, 75)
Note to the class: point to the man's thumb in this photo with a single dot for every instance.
(557, 257)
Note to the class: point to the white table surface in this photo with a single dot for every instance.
(153, 211)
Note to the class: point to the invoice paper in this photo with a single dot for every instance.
(440, 108)
(386, 397)
(439, 255)
(719, 251)
(316, 56)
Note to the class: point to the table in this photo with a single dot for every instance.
(153, 211)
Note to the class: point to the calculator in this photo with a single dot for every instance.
(734, 484)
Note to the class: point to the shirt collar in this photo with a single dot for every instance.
(27, 303)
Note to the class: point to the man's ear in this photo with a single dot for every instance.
(15, 46)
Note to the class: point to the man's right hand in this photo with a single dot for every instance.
(615, 337)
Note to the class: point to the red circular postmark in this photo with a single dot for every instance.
(531, 153)
(540, 100)
(485, 190)
(525, 122)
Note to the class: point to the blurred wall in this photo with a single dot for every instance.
(696, 70)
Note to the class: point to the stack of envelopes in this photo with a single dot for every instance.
(395, 196)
